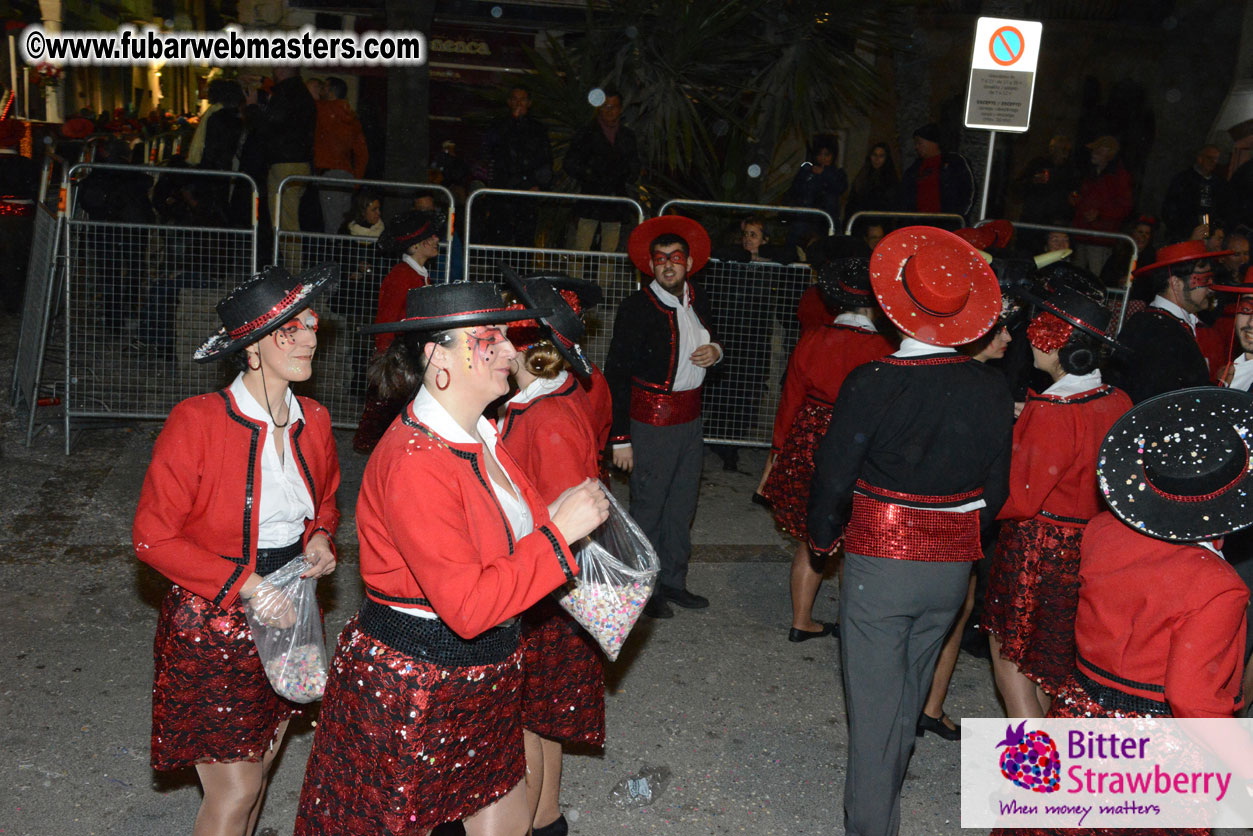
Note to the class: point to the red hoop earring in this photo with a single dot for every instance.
(447, 379)
(252, 357)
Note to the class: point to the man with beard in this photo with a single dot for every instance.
(1164, 354)
(663, 342)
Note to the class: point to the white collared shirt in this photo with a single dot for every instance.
(285, 502)
(1075, 384)
(1174, 310)
(1208, 545)
(539, 387)
(432, 413)
(917, 348)
(692, 335)
(422, 271)
(856, 320)
(1242, 374)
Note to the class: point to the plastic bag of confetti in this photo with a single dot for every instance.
(617, 571)
(287, 629)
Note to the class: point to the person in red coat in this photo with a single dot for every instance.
(547, 428)
(1033, 583)
(823, 357)
(1160, 624)
(241, 481)
(414, 236)
(421, 721)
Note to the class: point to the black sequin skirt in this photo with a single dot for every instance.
(787, 486)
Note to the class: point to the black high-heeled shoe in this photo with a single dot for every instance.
(936, 725)
(829, 628)
(758, 499)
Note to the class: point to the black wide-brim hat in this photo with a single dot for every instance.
(846, 282)
(402, 231)
(1176, 467)
(438, 307)
(562, 325)
(263, 303)
(1074, 307)
(588, 293)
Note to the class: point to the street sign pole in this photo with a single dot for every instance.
(987, 176)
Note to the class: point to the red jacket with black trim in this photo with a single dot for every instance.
(600, 407)
(1053, 466)
(433, 534)
(552, 439)
(392, 295)
(821, 360)
(1168, 617)
(644, 350)
(196, 522)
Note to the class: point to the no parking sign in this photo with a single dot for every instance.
(1002, 74)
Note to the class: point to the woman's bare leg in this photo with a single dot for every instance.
(506, 816)
(1018, 692)
(532, 743)
(549, 809)
(805, 583)
(232, 791)
(267, 763)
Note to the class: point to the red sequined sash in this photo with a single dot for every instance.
(898, 532)
(664, 409)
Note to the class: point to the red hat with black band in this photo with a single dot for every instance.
(639, 245)
(1179, 253)
(934, 286)
(408, 228)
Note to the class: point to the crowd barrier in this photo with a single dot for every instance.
(44, 276)
(140, 297)
(722, 220)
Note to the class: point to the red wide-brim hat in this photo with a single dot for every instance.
(77, 127)
(638, 245)
(1179, 253)
(979, 237)
(1002, 229)
(934, 286)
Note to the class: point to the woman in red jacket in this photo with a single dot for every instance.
(414, 236)
(241, 481)
(1033, 582)
(547, 429)
(421, 722)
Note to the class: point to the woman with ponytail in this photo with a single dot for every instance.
(1033, 587)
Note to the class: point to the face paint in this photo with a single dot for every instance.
(481, 344)
(285, 334)
(1203, 278)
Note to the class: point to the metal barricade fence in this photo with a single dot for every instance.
(140, 297)
(294, 248)
(43, 277)
(1115, 297)
(954, 221)
(159, 148)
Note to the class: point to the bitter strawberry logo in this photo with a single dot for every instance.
(1030, 759)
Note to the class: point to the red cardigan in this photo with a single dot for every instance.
(1169, 615)
(392, 294)
(600, 407)
(1053, 466)
(551, 438)
(195, 522)
(821, 360)
(433, 534)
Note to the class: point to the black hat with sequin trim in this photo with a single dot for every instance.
(846, 282)
(402, 231)
(1177, 466)
(263, 303)
(562, 324)
(438, 307)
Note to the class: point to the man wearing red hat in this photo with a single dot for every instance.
(19, 185)
(1164, 353)
(663, 341)
(913, 467)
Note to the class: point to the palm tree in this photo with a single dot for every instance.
(714, 88)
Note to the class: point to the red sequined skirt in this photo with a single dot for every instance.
(404, 745)
(1073, 702)
(1033, 592)
(787, 486)
(563, 680)
(211, 701)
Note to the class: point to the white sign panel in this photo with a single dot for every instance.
(1002, 74)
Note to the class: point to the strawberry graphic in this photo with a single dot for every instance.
(1030, 759)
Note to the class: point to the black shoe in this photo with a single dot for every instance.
(557, 828)
(758, 499)
(829, 628)
(936, 725)
(686, 600)
(658, 608)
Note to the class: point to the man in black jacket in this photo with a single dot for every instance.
(939, 180)
(1195, 196)
(663, 341)
(520, 157)
(914, 466)
(603, 159)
